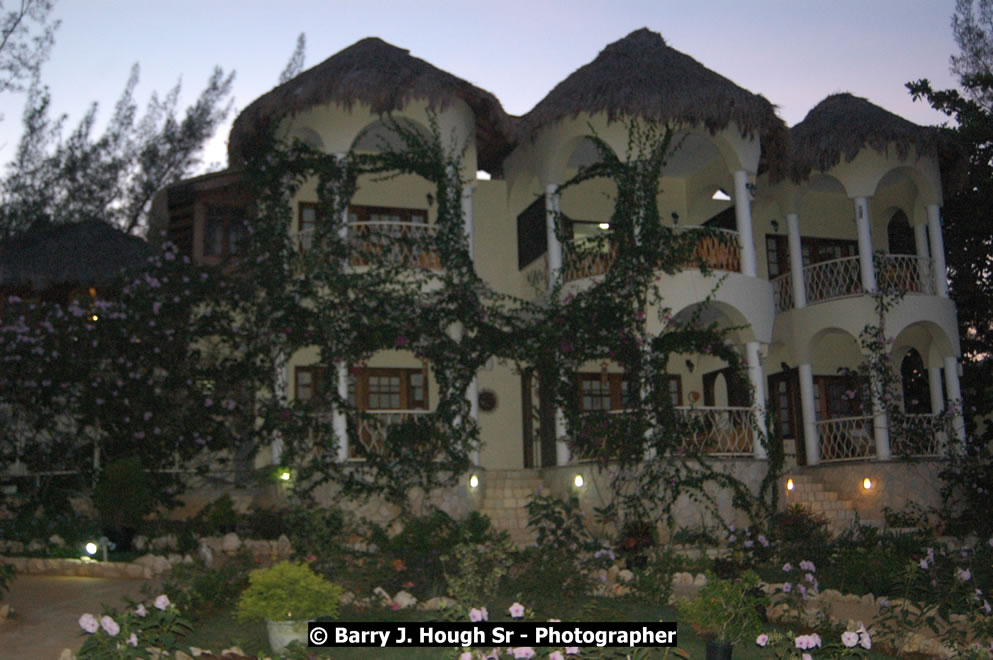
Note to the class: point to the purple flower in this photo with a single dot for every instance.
(923, 564)
(963, 574)
(787, 587)
(762, 639)
(524, 652)
(476, 615)
(109, 625)
(849, 639)
(864, 640)
(556, 655)
(787, 567)
(133, 640)
(808, 566)
(141, 611)
(764, 541)
(748, 544)
(161, 602)
(516, 610)
(89, 623)
(732, 538)
(572, 650)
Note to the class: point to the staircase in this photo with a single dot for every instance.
(505, 499)
(815, 497)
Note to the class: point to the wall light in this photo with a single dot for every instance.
(604, 225)
(284, 475)
(790, 485)
(474, 481)
(867, 484)
(578, 481)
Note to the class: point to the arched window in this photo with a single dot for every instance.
(900, 235)
(916, 391)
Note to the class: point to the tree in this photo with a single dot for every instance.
(969, 237)
(55, 179)
(26, 36)
(295, 64)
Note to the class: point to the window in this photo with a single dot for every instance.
(835, 397)
(224, 230)
(814, 251)
(600, 391)
(785, 402)
(386, 214)
(307, 382)
(389, 389)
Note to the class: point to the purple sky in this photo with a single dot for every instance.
(794, 52)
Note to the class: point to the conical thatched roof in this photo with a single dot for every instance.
(640, 76)
(842, 125)
(383, 77)
(89, 253)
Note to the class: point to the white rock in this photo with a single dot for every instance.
(383, 596)
(174, 559)
(35, 545)
(700, 580)
(4, 612)
(682, 579)
(437, 603)
(404, 600)
(140, 542)
(625, 575)
(230, 543)
(67, 654)
(283, 546)
(347, 598)
(206, 555)
(57, 541)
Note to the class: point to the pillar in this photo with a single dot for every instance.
(937, 390)
(938, 253)
(561, 446)
(339, 421)
(472, 393)
(880, 423)
(754, 361)
(743, 216)
(552, 206)
(796, 261)
(811, 440)
(865, 244)
(955, 399)
(924, 273)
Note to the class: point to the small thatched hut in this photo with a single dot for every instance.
(640, 76)
(53, 261)
(383, 77)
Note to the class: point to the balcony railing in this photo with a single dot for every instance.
(842, 278)
(725, 431)
(920, 435)
(583, 258)
(372, 427)
(846, 439)
(382, 243)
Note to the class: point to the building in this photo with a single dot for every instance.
(807, 207)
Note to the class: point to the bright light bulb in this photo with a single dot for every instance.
(789, 485)
(604, 225)
(867, 483)
(91, 548)
(285, 475)
(474, 481)
(578, 481)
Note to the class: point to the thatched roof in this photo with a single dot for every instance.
(640, 76)
(842, 125)
(385, 78)
(89, 253)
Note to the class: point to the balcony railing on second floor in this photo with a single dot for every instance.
(722, 431)
(842, 278)
(920, 435)
(381, 243)
(582, 258)
(372, 426)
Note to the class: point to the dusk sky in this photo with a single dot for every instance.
(794, 52)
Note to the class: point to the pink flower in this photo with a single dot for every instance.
(109, 625)
(89, 623)
(806, 656)
(162, 602)
(476, 615)
(864, 640)
(465, 655)
(762, 639)
(849, 639)
(516, 610)
(141, 611)
(787, 567)
(556, 655)
(787, 587)
(572, 650)
(524, 652)
(133, 640)
(963, 574)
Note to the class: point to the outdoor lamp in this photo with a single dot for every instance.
(867, 483)
(91, 547)
(474, 481)
(790, 485)
(604, 225)
(578, 481)
(284, 475)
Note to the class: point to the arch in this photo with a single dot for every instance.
(899, 234)
(927, 338)
(914, 382)
(725, 315)
(926, 184)
(379, 133)
(308, 136)
(831, 348)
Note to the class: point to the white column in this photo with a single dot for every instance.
(937, 249)
(921, 250)
(467, 219)
(754, 361)
(865, 244)
(955, 397)
(552, 206)
(880, 424)
(472, 393)
(743, 216)
(811, 441)
(796, 261)
(934, 384)
(339, 422)
(561, 447)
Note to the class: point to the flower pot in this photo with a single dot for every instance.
(718, 650)
(281, 633)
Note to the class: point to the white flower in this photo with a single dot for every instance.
(141, 611)
(849, 639)
(133, 640)
(161, 602)
(109, 625)
(89, 623)
(864, 640)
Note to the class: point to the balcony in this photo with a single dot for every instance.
(846, 439)
(372, 427)
(582, 258)
(842, 278)
(392, 244)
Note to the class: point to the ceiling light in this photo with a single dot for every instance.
(721, 195)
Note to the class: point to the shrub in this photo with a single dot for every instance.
(797, 532)
(199, 590)
(288, 592)
(474, 570)
(123, 496)
(728, 608)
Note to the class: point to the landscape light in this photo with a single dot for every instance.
(91, 548)
(578, 481)
(284, 475)
(790, 485)
(474, 481)
(867, 483)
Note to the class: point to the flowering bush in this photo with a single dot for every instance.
(790, 645)
(728, 608)
(799, 585)
(130, 633)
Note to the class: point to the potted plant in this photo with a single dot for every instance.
(730, 609)
(287, 596)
